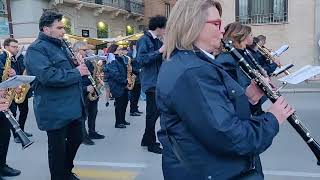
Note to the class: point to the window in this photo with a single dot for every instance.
(102, 30)
(167, 9)
(2, 7)
(261, 11)
(129, 30)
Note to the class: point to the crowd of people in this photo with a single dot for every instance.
(211, 117)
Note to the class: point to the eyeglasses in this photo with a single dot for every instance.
(215, 22)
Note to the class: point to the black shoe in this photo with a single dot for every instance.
(120, 126)
(107, 104)
(135, 114)
(95, 135)
(87, 141)
(8, 171)
(146, 144)
(126, 123)
(139, 112)
(73, 176)
(28, 134)
(155, 149)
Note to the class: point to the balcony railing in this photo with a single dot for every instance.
(128, 5)
(264, 18)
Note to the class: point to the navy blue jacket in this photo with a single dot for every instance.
(269, 67)
(116, 76)
(58, 98)
(207, 113)
(150, 58)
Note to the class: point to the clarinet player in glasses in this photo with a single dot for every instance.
(207, 131)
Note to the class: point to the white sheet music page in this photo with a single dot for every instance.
(302, 74)
(16, 81)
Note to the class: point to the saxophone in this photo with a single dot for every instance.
(22, 94)
(96, 76)
(130, 76)
(10, 92)
(9, 95)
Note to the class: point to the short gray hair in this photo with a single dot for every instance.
(78, 45)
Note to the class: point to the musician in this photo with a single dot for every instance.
(10, 45)
(58, 101)
(136, 91)
(80, 49)
(149, 55)
(262, 60)
(206, 128)
(111, 57)
(116, 76)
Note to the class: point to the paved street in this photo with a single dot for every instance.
(120, 157)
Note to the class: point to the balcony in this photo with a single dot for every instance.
(127, 7)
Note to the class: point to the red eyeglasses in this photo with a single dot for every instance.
(215, 22)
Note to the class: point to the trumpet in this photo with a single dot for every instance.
(267, 54)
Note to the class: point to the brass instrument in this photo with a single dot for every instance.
(22, 94)
(130, 76)
(267, 54)
(10, 95)
(96, 76)
(72, 54)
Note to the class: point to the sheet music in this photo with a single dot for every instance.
(16, 81)
(301, 75)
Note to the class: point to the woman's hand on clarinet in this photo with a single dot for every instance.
(281, 110)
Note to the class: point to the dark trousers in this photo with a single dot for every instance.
(23, 114)
(120, 108)
(92, 111)
(63, 145)
(4, 139)
(152, 114)
(134, 97)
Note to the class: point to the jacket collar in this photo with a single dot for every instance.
(47, 38)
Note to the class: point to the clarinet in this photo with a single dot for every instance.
(273, 96)
(258, 66)
(93, 82)
(25, 141)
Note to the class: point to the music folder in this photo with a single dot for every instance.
(301, 75)
(16, 81)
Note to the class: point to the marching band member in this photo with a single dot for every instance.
(149, 55)
(58, 100)
(206, 127)
(91, 106)
(11, 45)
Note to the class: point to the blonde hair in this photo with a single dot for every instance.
(185, 22)
(236, 32)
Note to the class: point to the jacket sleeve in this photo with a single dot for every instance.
(40, 66)
(113, 73)
(211, 117)
(144, 55)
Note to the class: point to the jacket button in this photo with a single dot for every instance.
(233, 91)
(209, 177)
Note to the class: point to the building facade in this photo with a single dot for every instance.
(292, 22)
(90, 18)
